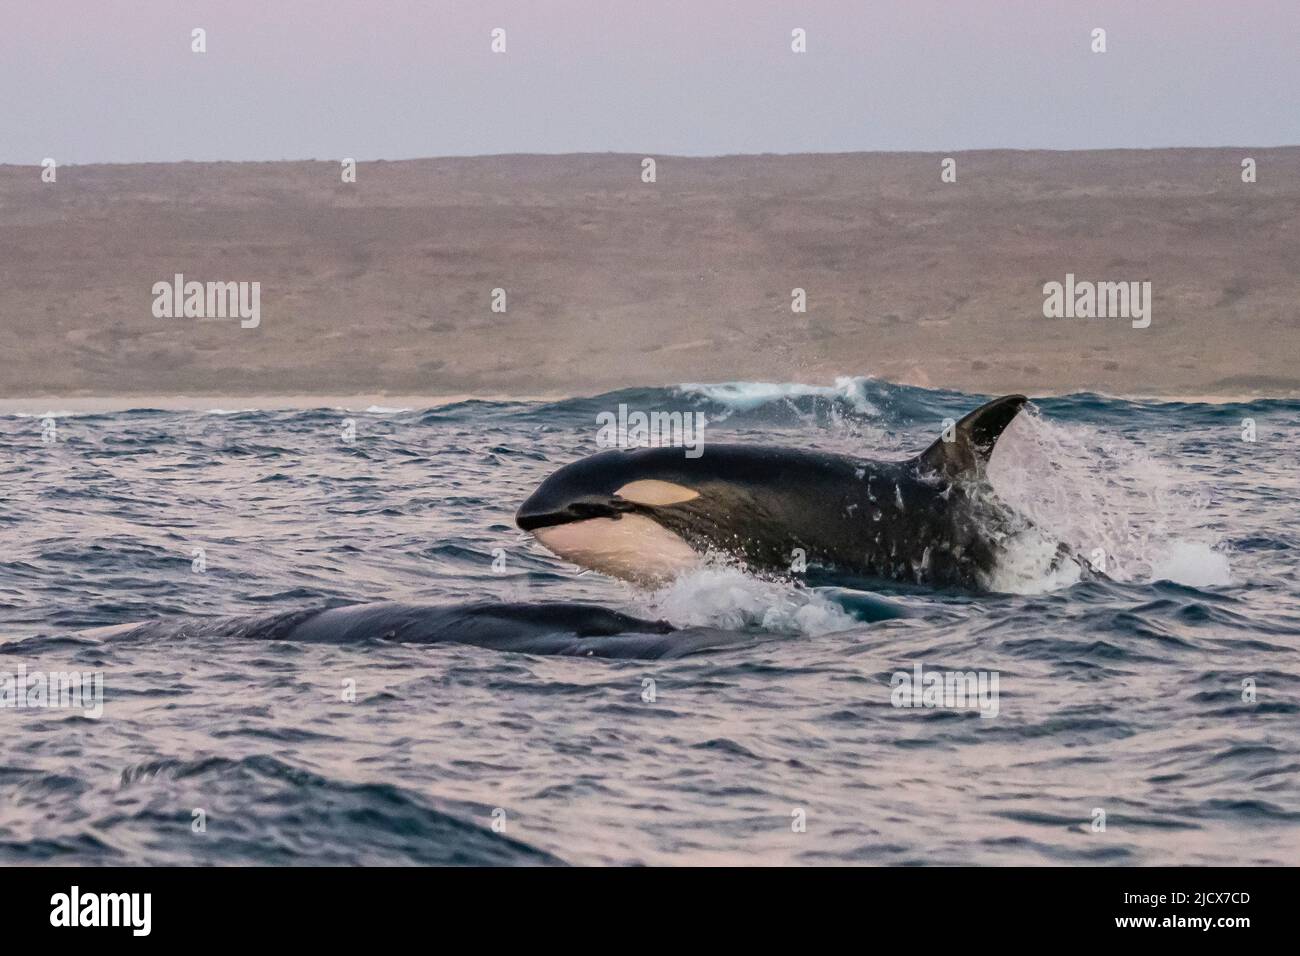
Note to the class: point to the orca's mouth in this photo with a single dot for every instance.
(531, 517)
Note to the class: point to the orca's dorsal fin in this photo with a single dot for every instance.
(964, 458)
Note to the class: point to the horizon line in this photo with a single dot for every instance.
(693, 156)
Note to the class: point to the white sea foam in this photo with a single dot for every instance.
(1195, 563)
(726, 597)
(746, 396)
(844, 411)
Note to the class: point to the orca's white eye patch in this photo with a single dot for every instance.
(649, 491)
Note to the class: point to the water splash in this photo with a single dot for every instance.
(1108, 500)
(722, 596)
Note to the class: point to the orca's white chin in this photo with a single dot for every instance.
(632, 547)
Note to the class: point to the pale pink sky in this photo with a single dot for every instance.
(115, 81)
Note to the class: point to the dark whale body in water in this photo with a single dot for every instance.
(648, 513)
(569, 629)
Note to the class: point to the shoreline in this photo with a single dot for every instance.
(40, 406)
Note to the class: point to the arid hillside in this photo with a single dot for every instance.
(386, 285)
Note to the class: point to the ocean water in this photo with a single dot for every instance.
(1149, 718)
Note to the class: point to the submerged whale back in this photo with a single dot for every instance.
(568, 629)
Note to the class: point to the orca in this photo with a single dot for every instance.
(647, 514)
(569, 628)
(566, 628)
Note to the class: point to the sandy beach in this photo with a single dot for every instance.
(384, 287)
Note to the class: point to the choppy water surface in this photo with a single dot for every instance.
(1125, 696)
